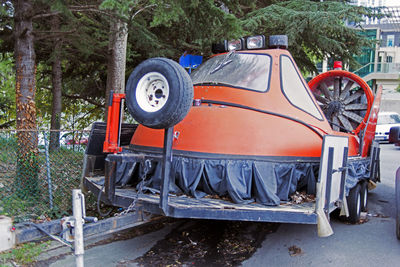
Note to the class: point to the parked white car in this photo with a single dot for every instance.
(386, 120)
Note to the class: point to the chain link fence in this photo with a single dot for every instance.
(38, 170)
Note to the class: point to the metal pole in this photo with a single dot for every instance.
(166, 168)
(329, 181)
(77, 209)
(46, 146)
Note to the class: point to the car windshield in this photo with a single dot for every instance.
(388, 118)
(248, 71)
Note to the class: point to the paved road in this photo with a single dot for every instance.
(373, 243)
(202, 243)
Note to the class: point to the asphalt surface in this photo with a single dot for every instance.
(218, 243)
(373, 243)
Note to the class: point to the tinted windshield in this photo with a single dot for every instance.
(249, 71)
(388, 118)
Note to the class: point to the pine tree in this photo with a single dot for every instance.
(27, 168)
(171, 27)
(315, 29)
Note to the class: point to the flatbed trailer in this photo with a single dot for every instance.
(208, 208)
(330, 188)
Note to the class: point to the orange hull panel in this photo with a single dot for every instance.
(220, 129)
(227, 130)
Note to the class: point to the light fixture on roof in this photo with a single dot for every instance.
(255, 42)
(251, 42)
(235, 44)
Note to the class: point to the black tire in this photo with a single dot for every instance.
(364, 195)
(394, 135)
(397, 197)
(159, 93)
(354, 204)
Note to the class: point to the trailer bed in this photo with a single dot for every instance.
(209, 208)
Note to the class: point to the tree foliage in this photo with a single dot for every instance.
(169, 28)
(7, 93)
(315, 29)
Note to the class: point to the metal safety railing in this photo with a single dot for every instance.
(378, 68)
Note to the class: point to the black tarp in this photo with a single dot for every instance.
(358, 170)
(243, 181)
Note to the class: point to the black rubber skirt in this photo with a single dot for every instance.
(268, 181)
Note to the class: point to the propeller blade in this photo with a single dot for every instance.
(325, 90)
(353, 97)
(335, 123)
(346, 90)
(346, 123)
(336, 88)
(321, 99)
(353, 116)
(362, 106)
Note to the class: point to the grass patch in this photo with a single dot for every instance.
(24, 254)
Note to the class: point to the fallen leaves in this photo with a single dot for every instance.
(302, 197)
(208, 243)
(41, 219)
(295, 251)
(225, 198)
(363, 218)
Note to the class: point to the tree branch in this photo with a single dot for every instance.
(140, 10)
(91, 101)
(46, 15)
(96, 10)
(191, 46)
(83, 7)
(56, 32)
(74, 9)
(86, 114)
(78, 97)
(137, 12)
(6, 124)
(42, 35)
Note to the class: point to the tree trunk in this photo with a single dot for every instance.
(116, 59)
(27, 138)
(56, 104)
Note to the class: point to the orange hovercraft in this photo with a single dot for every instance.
(238, 139)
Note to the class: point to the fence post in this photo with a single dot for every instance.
(78, 210)
(46, 146)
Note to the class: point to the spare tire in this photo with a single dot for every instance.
(159, 93)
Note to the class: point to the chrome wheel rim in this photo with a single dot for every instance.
(365, 197)
(152, 92)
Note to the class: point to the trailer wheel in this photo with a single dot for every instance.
(159, 93)
(354, 204)
(364, 195)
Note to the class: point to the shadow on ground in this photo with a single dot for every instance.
(207, 243)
